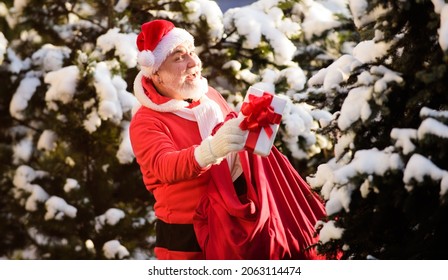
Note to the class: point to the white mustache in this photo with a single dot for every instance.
(196, 72)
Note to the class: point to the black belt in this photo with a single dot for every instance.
(176, 237)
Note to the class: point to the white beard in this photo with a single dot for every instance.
(194, 92)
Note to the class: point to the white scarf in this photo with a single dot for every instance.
(207, 115)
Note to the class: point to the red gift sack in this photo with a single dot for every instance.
(274, 220)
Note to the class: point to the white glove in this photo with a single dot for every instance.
(229, 138)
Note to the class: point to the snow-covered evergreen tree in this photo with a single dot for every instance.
(366, 116)
(386, 185)
(71, 188)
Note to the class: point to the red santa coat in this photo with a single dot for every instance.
(274, 220)
(163, 144)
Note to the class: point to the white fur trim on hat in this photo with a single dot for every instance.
(170, 41)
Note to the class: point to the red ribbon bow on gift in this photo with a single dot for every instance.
(259, 114)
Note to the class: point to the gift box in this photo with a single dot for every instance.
(262, 112)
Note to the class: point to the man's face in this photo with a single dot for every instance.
(179, 76)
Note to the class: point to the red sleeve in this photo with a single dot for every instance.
(157, 154)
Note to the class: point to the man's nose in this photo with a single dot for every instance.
(193, 60)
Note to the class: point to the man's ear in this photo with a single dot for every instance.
(156, 78)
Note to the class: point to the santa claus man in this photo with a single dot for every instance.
(193, 161)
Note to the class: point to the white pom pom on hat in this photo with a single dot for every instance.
(156, 41)
(145, 58)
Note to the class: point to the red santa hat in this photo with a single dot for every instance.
(156, 41)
